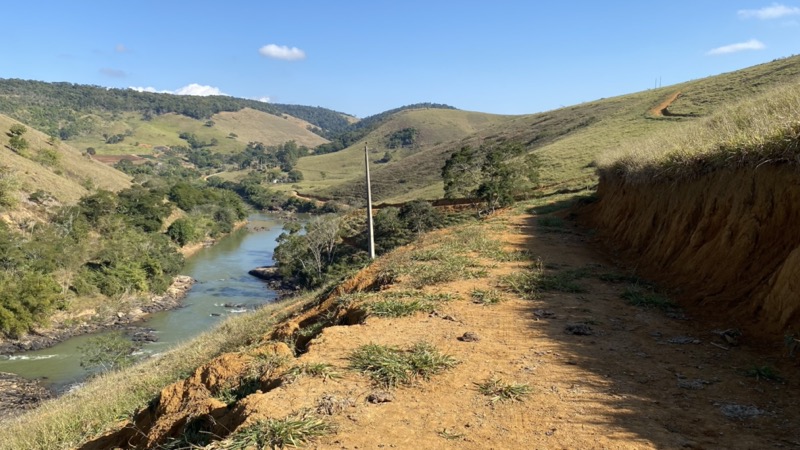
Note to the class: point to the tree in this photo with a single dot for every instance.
(183, 231)
(107, 352)
(495, 175)
(16, 141)
(420, 216)
(503, 177)
(460, 173)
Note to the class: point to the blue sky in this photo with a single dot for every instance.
(364, 57)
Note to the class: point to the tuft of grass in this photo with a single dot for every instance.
(292, 431)
(450, 435)
(530, 284)
(447, 267)
(498, 390)
(390, 366)
(763, 372)
(645, 296)
(321, 370)
(486, 297)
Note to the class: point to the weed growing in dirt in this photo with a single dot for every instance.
(279, 433)
(763, 373)
(444, 267)
(449, 435)
(486, 297)
(645, 296)
(530, 283)
(498, 390)
(390, 366)
(321, 370)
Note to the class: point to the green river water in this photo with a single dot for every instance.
(222, 278)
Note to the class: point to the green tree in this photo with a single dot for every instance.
(420, 216)
(495, 175)
(460, 173)
(16, 141)
(506, 173)
(183, 231)
(107, 352)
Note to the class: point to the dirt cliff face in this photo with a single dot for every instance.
(728, 241)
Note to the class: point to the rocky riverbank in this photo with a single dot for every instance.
(92, 321)
(274, 280)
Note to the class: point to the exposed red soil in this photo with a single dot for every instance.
(662, 108)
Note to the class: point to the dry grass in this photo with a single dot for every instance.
(67, 421)
(762, 130)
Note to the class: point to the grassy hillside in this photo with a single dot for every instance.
(436, 127)
(142, 136)
(568, 139)
(53, 167)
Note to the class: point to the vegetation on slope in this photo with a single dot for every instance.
(567, 140)
(60, 109)
(762, 129)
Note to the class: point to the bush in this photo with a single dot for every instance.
(183, 232)
(26, 300)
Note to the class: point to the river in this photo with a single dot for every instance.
(222, 279)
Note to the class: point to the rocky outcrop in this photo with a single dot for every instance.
(727, 240)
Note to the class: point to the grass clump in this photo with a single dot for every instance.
(763, 373)
(292, 431)
(486, 297)
(321, 370)
(499, 391)
(531, 283)
(445, 267)
(390, 366)
(645, 296)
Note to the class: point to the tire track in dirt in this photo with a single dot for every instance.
(661, 109)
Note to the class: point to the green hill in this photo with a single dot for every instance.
(567, 139)
(52, 167)
(123, 121)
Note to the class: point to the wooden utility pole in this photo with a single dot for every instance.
(369, 205)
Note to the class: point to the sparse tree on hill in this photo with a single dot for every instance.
(16, 141)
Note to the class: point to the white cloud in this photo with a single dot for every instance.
(774, 11)
(189, 89)
(263, 99)
(120, 48)
(752, 44)
(149, 89)
(282, 52)
(199, 90)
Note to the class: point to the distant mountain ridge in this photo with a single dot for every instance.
(57, 108)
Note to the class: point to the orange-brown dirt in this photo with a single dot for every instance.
(728, 240)
(643, 379)
(662, 108)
